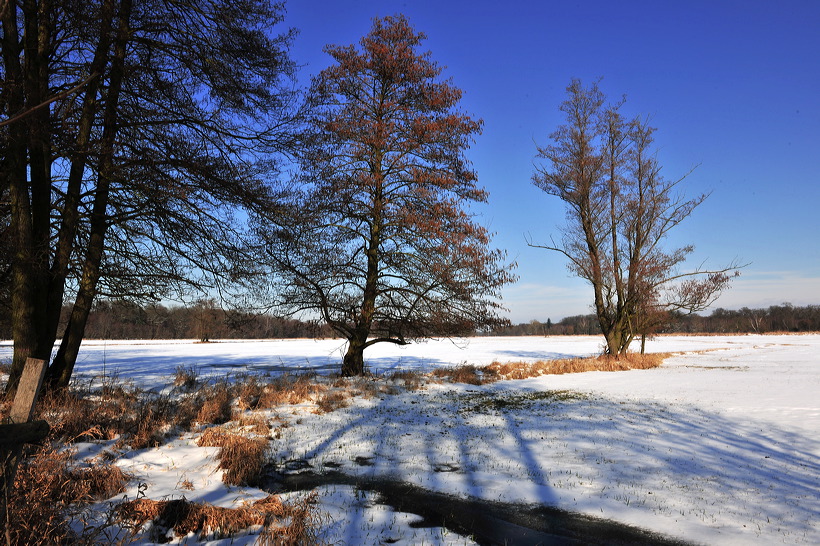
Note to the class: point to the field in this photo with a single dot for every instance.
(719, 445)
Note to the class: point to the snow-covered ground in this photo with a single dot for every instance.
(720, 445)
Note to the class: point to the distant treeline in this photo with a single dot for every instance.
(124, 320)
(777, 318)
(203, 321)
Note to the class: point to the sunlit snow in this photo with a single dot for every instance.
(719, 445)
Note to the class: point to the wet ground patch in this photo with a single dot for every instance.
(485, 522)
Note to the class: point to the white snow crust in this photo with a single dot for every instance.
(720, 445)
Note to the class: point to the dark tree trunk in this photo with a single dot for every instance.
(353, 363)
(29, 188)
(59, 373)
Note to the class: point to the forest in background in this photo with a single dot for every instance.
(776, 318)
(204, 321)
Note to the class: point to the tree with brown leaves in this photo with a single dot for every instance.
(619, 210)
(380, 242)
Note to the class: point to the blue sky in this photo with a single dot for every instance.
(733, 88)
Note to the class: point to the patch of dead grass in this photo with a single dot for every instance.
(216, 406)
(606, 363)
(333, 400)
(409, 380)
(466, 373)
(50, 488)
(282, 523)
(289, 390)
(241, 457)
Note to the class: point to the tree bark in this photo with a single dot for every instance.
(63, 366)
(29, 284)
(353, 363)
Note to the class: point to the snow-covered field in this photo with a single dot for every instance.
(720, 445)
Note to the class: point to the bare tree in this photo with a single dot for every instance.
(619, 210)
(134, 132)
(380, 244)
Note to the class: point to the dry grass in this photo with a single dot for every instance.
(333, 400)
(186, 378)
(282, 523)
(289, 390)
(241, 457)
(49, 490)
(411, 381)
(216, 406)
(606, 363)
(254, 424)
(462, 374)
(496, 371)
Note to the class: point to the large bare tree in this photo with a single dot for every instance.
(133, 130)
(384, 248)
(619, 211)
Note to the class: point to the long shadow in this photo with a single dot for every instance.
(455, 449)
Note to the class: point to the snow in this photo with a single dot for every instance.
(719, 445)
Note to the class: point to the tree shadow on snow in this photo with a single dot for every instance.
(543, 449)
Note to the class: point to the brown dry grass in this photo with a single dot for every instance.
(333, 400)
(289, 390)
(462, 374)
(411, 381)
(186, 378)
(606, 363)
(241, 457)
(282, 523)
(496, 371)
(50, 489)
(216, 406)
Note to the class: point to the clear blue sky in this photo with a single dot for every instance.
(732, 86)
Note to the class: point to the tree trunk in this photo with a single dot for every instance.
(29, 199)
(59, 374)
(353, 363)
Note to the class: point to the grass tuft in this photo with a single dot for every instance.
(241, 457)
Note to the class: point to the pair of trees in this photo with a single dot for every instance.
(138, 136)
(619, 210)
(133, 131)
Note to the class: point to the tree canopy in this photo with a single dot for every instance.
(135, 132)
